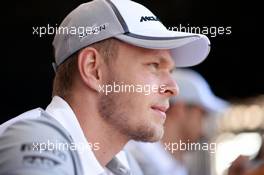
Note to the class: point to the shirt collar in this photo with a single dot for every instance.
(60, 110)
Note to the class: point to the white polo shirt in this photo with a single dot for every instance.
(60, 110)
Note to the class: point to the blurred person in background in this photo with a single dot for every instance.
(185, 123)
(243, 165)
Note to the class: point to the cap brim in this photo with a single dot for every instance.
(186, 49)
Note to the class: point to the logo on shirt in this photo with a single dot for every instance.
(40, 161)
(35, 155)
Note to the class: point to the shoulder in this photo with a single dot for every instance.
(35, 143)
(32, 114)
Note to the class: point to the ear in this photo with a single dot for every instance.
(89, 64)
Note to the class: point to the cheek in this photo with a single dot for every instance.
(144, 81)
(145, 77)
(138, 105)
(139, 112)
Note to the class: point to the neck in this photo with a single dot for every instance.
(97, 131)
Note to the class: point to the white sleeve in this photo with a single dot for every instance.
(35, 147)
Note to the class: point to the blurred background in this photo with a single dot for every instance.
(234, 69)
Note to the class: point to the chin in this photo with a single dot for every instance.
(155, 133)
(158, 135)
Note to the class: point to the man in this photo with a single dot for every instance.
(190, 108)
(184, 124)
(190, 119)
(123, 44)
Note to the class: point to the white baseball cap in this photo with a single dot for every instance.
(129, 22)
(194, 89)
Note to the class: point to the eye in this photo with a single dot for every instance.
(154, 65)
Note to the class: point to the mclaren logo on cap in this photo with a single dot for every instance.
(149, 18)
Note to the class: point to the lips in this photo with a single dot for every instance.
(160, 110)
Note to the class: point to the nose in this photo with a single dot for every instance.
(170, 88)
